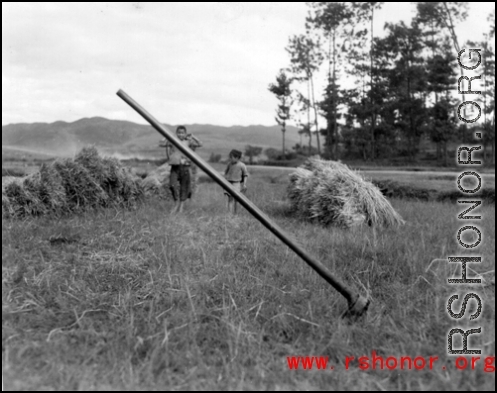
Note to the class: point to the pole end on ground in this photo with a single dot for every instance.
(357, 308)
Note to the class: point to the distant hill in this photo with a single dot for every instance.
(131, 139)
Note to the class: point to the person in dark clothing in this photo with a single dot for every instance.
(180, 177)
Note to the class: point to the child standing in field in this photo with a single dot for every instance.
(236, 173)
(180, 181)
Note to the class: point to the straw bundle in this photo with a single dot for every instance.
(118, 182)
(89, 158)
(7, 210)
(6, 180)
(130, 189)
(70, 185)
(50, 189)
(82, 189)
(23, 198)
(157, 181)
(151, 185)
(332, 194)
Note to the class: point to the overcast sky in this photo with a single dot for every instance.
(183, 62)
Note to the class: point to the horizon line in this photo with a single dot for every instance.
(146, 124)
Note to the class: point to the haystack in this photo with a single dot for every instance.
(48, 184)
(7, 210)
(330, 193)
(157, 181)
(23, 201)
(67, 185)
(117, 181)
(6, 180)
(82, 188)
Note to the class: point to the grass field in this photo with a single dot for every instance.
(139, 300)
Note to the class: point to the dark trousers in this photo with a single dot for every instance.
(180, 182)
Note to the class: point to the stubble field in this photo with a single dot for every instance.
(141, 299)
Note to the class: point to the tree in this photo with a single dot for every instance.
(491, 19)
(441, 80)
(443, 124)
(215, 157)
(399, 104)
(365, 11)
(305, 127)
(283, 92)
(272, 153)
(355, 138)
(329, 107)
(438, 15)
(487, 84)
(489, 80)
(329, 17)
(251, 152)
(305, 59)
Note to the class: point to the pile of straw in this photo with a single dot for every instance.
(7, 210)
(330, 193)
(67, 185)
(120, 185)
(82, 189)
(157, 181)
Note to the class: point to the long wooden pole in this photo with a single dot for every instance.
(357, 303)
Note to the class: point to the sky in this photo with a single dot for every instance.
(207, 63)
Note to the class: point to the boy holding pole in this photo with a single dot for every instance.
(180, 181)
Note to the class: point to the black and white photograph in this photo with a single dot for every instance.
(249, 196)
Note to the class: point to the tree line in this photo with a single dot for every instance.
(404, 82)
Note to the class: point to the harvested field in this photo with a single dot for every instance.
(122, 299)
(395, 189)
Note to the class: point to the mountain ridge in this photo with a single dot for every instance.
(62, 138)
